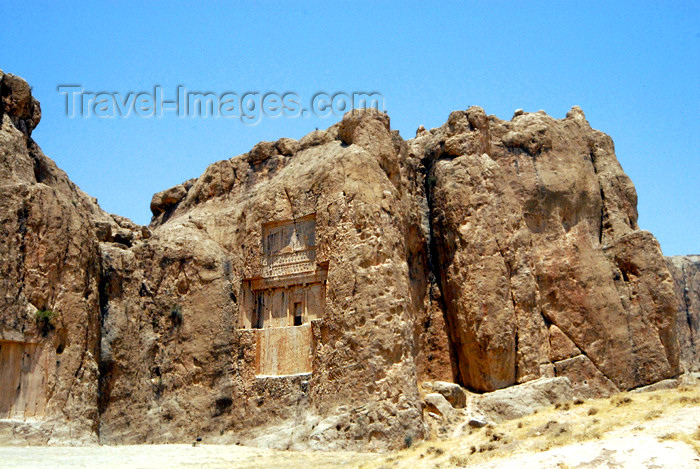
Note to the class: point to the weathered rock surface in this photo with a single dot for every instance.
(49, 277)
(484, 253)
(518, 401)
(436, 402)
(18, 104)
(534, 224)
(685, 271)
(166, 375)
(587, 380)
(453, 392)
(560, 346)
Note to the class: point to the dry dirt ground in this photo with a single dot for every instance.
(658, 429)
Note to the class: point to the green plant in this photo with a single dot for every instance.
(408, 441)
(45, 320)
(44, 315)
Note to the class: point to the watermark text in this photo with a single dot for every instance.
(250, 107)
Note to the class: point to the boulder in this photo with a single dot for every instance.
(287, 146)
(315, 138)
(165, 200)
(103, 230)
(477, 423)
(17, 102)
(658, 386)
(261, 152)
(437, 403)
(524, 399)
(453, 392)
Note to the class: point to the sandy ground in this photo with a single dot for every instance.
(632, 452)
(641, 451)
(654, 430)
(630, 447)
(169, 456)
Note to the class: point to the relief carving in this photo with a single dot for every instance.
(288, 295)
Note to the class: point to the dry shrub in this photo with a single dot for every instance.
(618, 401)
(682, 437)
(435, 450)
(459, 460)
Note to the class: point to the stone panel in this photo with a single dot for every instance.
(283, 350)
(22, 380)
(289, 247)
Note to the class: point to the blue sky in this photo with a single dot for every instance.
(633, 68)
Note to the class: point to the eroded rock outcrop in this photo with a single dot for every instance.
(200, 254)
(685, 271)
(49, 275)
(295, 296)
(534, 224)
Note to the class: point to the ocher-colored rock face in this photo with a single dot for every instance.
(17, 103)
(170, 376)
(49, 274)
(485, 252)
(534, 223)
(685, 271)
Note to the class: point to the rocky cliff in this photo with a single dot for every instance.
(296, 295)
(540, 259)
(49, 286)
(685, 271)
